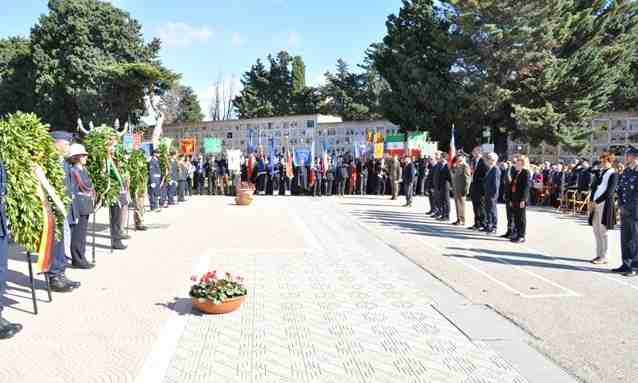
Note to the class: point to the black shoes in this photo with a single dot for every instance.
(83, 266)
(8, 329)
(474, 228)
(141, 228)
(60, 284)
(118, 246)
(621, 269)
(631, 273)
(518, 240)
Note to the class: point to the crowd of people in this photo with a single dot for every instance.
(608, 186)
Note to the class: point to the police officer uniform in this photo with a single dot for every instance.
(172, 186)
(7, 329)
(628, 203)
(155, 179)
(62, 247)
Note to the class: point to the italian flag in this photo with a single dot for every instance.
(395, 144)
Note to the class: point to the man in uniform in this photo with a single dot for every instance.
(394, 171)
(62, 248)
(628, 203)
(7, 329)
(154, 180)
(172, 186)
(211, 174)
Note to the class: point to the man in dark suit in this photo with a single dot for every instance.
(436, 173)
(491, 185)
(154, 180)
(408, 180)
(479, 169)
(211, 175)
(442, 185)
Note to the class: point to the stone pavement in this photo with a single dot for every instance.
(329, 302)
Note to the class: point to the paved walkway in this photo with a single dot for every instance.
(329, 302)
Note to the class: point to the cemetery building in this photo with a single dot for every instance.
(283, 131)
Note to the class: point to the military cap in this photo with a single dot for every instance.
(631, 151)
(62, 135)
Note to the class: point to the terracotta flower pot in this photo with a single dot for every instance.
(244, 197)
(208, 307)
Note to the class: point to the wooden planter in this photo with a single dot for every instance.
(208, 307)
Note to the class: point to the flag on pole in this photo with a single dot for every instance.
(452, 153)
(395, 144)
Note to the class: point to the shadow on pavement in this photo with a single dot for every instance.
(181, 306)
(545, 265)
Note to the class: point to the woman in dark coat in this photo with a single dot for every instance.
(519, 194)
(82, 189)
(602, 215)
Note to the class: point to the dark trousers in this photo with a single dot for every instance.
(491, 215)
(444, 202)
(431, 200)
(276, 184)
(520, 219)
(154, 196)
(199, 180)
(629, 239)
(420, 186)
(363, 184)
(163, 195)
(409, 189)
(172, 192)
(59, 261)
(287, 183)
(189, 186)
(261, 183)
(511, 219)
(115, 218)
(380, 185)
(342, 186)
(181, 190)
(78, 241)
(329, 184)
(478, 206)
(212, 187)
(4, 264)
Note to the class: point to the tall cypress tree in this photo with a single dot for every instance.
(298, 74)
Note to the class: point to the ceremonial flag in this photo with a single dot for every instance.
(289, 171)
(137, 140)
(452, 152)
(395, 144)
(324, 158)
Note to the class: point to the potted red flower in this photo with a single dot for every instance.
(245, 194)
(213, 295)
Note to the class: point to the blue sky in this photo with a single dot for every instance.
(208, 39)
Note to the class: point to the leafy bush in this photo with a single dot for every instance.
(96, 143)
(138, 170)
(24, 142)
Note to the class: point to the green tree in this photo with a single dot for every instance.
(189, 108)
(549, 66)
(416, 59)
(253, 102)
(298, 75)
(16, 76)
(90, 60)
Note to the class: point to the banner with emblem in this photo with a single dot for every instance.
(212, 145)
(187, 146)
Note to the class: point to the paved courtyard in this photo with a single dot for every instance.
(340, 290)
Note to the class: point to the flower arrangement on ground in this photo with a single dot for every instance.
(215, 295)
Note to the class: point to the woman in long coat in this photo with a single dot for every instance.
(602, 215)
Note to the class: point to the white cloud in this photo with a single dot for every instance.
(237, 40)
(293, 40)
(182, 35)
